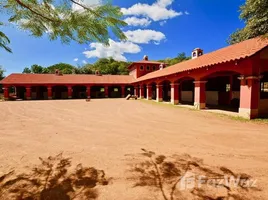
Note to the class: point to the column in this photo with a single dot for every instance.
(6, 92)
(231, 89)
(141, 92)
(106, 91)
(159, 93)
(149, 92)
(28, 93)
(49, 92)
(200, 94)
(136, 91)
(70, 92)
(174, 93)
(249, 97)
(123, 91)
(88, 92)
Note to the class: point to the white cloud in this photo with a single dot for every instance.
(91, 3)
(115, 50)
(134, 21)
(144, 36)
(186, 13)
(162, 23)
(76, 59)
(84, 62)
(157, 11)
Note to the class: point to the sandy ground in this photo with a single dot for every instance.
(102, 133)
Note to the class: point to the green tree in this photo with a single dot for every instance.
(66, 20)
(179, 58)
(45, 71)
(36, 69)
(255, 15)
(26, 70)
(4, 41)
(1, 73)
(63, 67)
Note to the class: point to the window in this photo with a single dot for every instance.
(228, 87)
(141, 68)
(154, 68)
(148, 68)
(264, 87)
(102, 89)
(115, 89)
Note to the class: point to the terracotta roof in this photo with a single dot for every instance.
(66, 79)
(234, 52)
(144, 62)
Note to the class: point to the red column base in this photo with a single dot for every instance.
(248, 113)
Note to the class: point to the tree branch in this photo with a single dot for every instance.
(33, 11)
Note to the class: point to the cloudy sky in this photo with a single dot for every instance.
(157, 28)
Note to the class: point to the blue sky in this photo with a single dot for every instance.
(158, 28)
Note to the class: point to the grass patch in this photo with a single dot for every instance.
(236, 118)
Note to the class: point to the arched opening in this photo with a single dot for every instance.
(144, 91)
(223, 91)
(114, 92)
(39, 92)
(154, 91)
(21, 92)
(97, 92)
(263, 103)
(60, 92)
(79, 92)
(129, 90)
(166, 91)
(186, 91)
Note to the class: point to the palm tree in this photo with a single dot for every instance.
(4, 41)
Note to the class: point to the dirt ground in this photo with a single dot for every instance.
(107, 134)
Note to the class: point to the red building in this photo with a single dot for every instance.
(235, 78)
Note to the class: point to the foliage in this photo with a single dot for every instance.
(179, 58)
(103, 65)
(255, 15)
(4, 41)
(170, 175)
(26, 70)
(36, 69)
(1, 73)
(53, 179)
(63, 67)
(60, 20)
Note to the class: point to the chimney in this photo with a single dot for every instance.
(97, 73)
(145, 57)
(197, 52)
(161, 66)
(58, 72)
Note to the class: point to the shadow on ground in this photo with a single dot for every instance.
(53, 179)
(185, 177)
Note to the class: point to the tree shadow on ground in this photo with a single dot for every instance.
(185, 177)
(53, 179)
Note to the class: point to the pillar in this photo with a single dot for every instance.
(141, 92)
(123, 91)
(28, 93)
(49, 92)
(249, 97)
(149, 92)
(70, 92)
(159, 93)
(231, 89)
(136, 91)
(88, 92)
(174, 93)
(106, 91)
(200, 94)
(6, 92)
